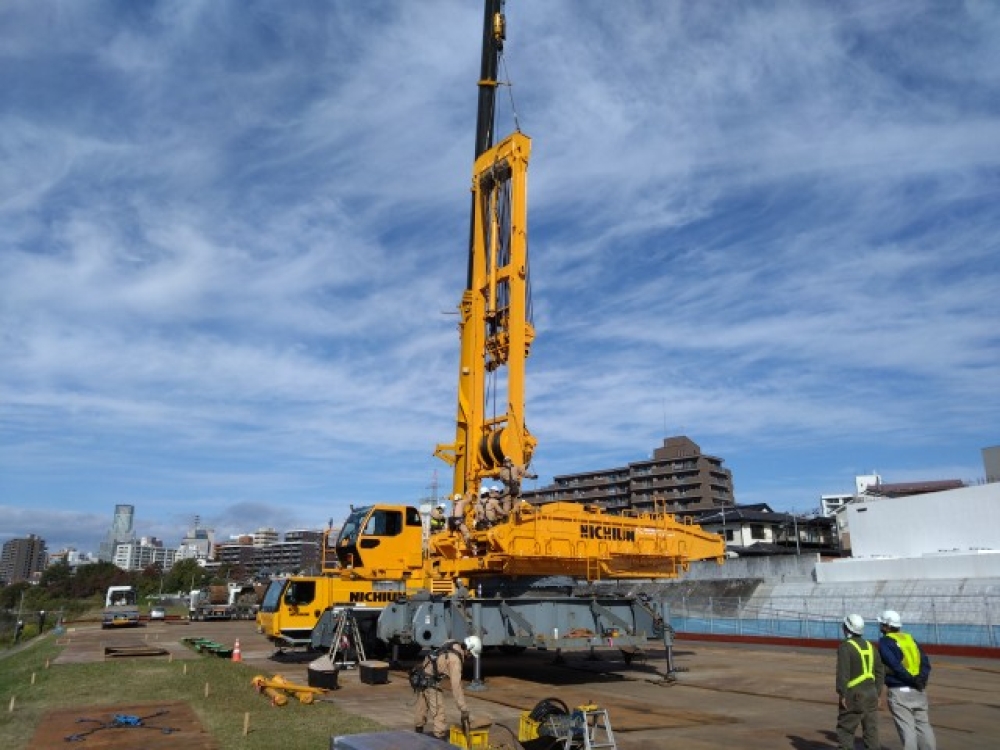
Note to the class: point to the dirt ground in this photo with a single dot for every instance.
(754, 697)
(163, 725)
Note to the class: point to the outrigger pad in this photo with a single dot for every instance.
(156, 726)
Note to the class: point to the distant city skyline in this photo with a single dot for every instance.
(989, 455)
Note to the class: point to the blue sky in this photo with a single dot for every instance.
(234, 236)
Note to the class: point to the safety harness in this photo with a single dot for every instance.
(867, 655)
(419, 678)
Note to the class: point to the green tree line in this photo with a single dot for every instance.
(68, 593)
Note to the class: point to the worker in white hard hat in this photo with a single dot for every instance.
(860, 676)
(907, 670)
(439, 664)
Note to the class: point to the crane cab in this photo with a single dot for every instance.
(381, 541)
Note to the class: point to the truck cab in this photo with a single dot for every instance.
(121, 607)
(375, 558)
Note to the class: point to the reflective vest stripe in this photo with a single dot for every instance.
(911, 652)
(867, 655)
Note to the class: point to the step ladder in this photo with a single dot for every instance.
(345, 635)
(588, 728)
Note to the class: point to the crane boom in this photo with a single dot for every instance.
(494, 326)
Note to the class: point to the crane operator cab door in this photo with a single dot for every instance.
(381, 541)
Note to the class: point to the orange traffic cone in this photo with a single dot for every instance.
(237, 655)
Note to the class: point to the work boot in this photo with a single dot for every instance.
(442, 736)
(418, 730)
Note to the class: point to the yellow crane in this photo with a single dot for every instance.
(383, 555)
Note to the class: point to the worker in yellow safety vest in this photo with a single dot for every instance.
(907, 670)
(860, 677)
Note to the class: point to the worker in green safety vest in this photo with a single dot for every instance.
(860, 677)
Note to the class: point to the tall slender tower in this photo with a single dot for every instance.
(120, 532)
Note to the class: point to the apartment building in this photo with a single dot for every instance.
(678, 477)
(22, 559)
(299, 552)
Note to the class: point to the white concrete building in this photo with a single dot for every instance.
(263, 537)
(951, 534)
(138, 556)
(198, 544)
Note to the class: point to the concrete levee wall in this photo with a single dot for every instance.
(959, 611)
(771, 568)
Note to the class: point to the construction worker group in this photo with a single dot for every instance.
(492, 505)
(896, 663)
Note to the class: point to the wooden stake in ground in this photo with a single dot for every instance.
(246, 723)
(206, 689)
(32, 678)
(11, 709)
(185, 668)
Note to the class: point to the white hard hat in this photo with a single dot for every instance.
(891, 618)
(473, 645)
(458, 496)
(855, 624)
(484, 490)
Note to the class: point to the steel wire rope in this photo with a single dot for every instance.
(510, 91)
(500, 217)
(491, 385)
(529, 306)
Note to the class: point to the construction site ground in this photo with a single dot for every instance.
(723, 695)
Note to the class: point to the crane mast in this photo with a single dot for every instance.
(494, 324)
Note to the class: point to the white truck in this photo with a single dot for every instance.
(234, 601)
(121, 608)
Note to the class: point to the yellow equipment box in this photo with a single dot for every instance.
(528, 730)
(480, 738)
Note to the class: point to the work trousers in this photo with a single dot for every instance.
(862, 708)
(910, 715)
(430, 704)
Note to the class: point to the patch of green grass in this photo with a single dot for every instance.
(130, 680)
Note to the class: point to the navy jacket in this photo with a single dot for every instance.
(895, 673)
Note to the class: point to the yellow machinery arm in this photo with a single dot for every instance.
(494, 327)
(496, 337)
(579, 541)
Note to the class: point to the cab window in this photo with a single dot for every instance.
(384, 523)
(300, 592)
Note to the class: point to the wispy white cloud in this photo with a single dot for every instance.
(235, 239)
